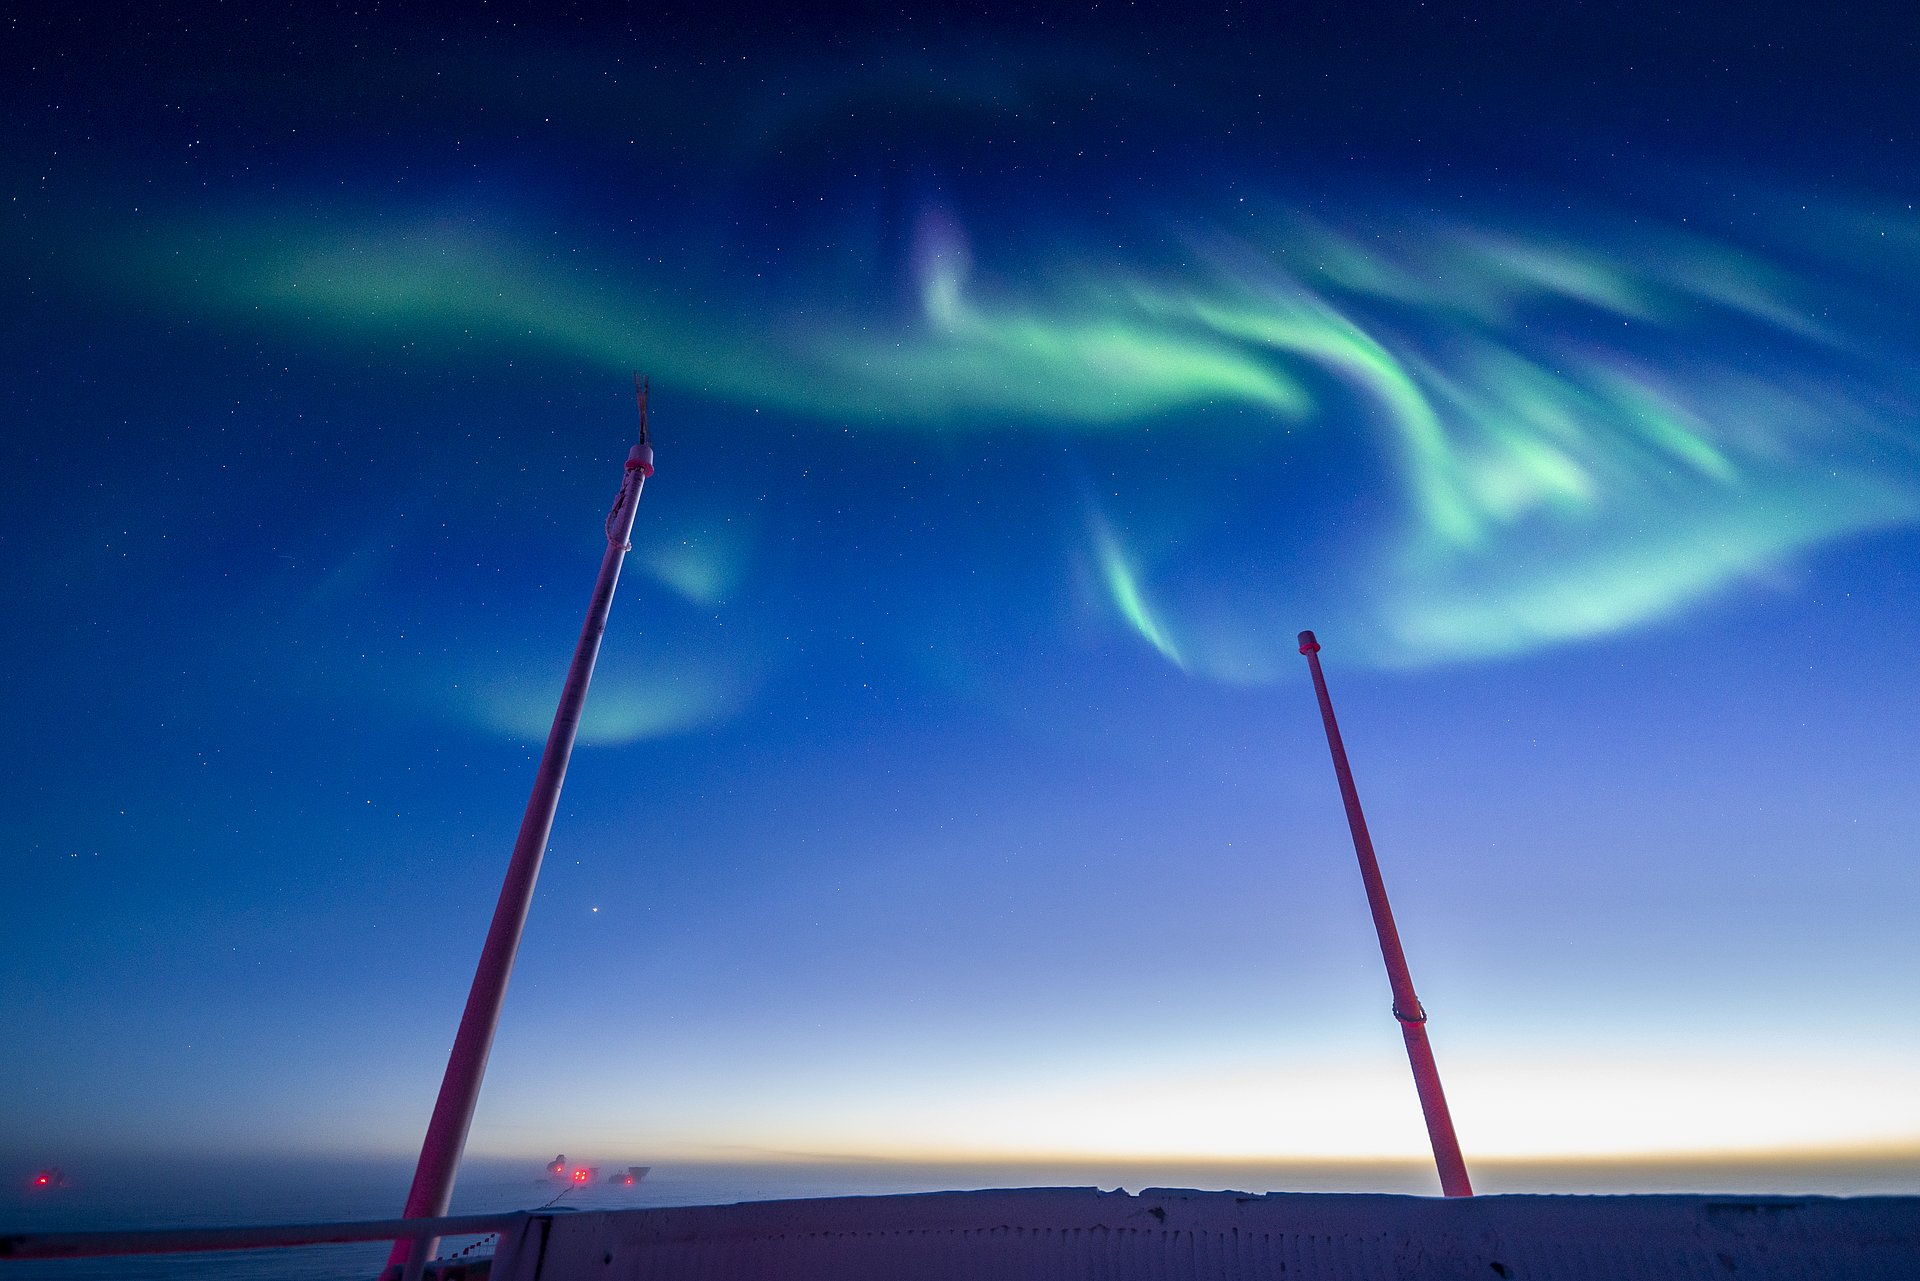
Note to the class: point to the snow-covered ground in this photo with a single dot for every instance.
(1061, 1233)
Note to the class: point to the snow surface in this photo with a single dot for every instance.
(1169, 1235)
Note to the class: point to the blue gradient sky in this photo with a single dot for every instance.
(1024, 381)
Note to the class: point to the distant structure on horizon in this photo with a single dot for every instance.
(559, 1169)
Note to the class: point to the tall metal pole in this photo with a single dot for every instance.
(1406, 1006)
(467, 1064)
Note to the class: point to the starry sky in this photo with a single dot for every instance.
(1024, 379)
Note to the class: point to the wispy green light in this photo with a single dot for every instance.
(1307, 328)
(1122, 581)
(702, 564)
(1575, 448)
(1579, 594)
(970, 364)
(621, 710)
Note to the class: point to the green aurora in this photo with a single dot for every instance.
(1587, 434)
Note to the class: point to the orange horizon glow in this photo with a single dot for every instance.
(1906, 1150)
(1329, 1108)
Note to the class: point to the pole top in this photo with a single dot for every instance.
(640, 457)
(1308, 645)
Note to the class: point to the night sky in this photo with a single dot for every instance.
(1024, 380)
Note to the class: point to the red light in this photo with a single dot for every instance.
(579, 1176)
(628, 1180)
(42, 1180)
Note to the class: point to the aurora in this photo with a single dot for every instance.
(1590, 427)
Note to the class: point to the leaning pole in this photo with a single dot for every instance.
(1406, 1006)
(432, 1188)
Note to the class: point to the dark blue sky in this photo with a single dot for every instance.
(1024, 380)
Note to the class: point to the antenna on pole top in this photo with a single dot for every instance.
(642, 457)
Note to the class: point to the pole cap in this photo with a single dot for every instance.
(640, 459)
(1308, 645)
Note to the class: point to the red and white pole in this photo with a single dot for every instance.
(467, 1064)
(1406, 1006)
